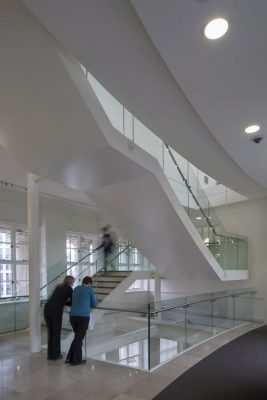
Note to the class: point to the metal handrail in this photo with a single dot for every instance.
(182, 305)
(77, 262)
(67, 269)
(127, 247)
(13, 298)
(196, 200)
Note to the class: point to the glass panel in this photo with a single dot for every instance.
(128, 124)
(13, 315)
(7, 317)
(22, 315)
(146, 139)
(248, 308)
(6, 280)
(222, 314)
(22, 273)
(242, 252)
(167, 335)
(72, 248)
(181, 192)
(199, 324)
(122, 340)
(171, 170)
(111, 106)
(5, 242)
(21, 244)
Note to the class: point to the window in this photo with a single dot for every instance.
(78, 246)
(14, 269)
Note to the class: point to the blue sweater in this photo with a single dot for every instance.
(83, 298)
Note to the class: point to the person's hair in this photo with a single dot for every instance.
(87, 280)
(106, 228)
(68, 280)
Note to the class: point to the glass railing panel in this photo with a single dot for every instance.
(120, 337)
(198, 322)
(128, 125)
(56, 269)
(13, 315)
(167, 335)
(242, 252)
(243, 308)
(148, 141)
(53, 271)
(223, 314)
(181, 192)
(232, 245)
(137, 262)
(111, 106)
(7, 317)
(144, 336)
(247, 308)
(218, 248)
(22, 314)
(170, 169)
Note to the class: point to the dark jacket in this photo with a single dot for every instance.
(61, 296)
(106, 243)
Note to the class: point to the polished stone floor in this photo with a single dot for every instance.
(26, 376)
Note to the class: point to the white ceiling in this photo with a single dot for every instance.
(224, 87)
(13, 173)
(224, 80)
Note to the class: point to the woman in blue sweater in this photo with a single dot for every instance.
(83, 298)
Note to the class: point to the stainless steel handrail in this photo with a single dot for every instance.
(143, 308)
(196, 200)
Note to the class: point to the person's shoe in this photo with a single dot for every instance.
(57, 358)
(67, 361)
(78, 363)
(49, 358)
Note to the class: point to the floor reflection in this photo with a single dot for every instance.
(136, 354)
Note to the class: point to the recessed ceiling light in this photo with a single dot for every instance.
(198, 217)
(252, 129)
(216, 28)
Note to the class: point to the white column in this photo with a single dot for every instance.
(34, 263)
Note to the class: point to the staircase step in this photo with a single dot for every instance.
(102, 290)
(113, 273)
(110, 285)
(100, 296)
(107, 279)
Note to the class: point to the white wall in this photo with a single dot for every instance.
(248, 218)
(13, 206)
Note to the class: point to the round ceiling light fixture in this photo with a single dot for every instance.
(216, 28)
(252, 128)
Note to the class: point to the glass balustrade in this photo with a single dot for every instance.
(230, 250)
(14, 314)
(145, 336)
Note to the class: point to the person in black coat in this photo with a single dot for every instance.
(53, 312)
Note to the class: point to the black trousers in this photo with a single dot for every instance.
(79, 326)
(54, 324)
